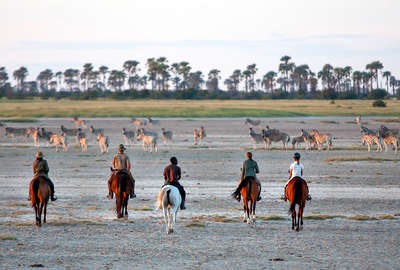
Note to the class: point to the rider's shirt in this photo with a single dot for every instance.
(296, 169)
(40, 168)
(120, 162)
(250, 168)
(172, 173)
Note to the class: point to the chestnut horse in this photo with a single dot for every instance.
(39, 193)
(250, 191)
(121, 189)
(296, 192)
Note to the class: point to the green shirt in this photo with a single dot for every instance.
(40, 168)
(250, 168)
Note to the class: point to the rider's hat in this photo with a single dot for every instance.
(121, 147)
(296, 155)
(39, 155)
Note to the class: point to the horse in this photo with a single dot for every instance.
(322, 138)
(169, 200)
(296, 192)
(149, 141)
(256, 138)
(250, 191)
(121, 189)
(39, 193)
(274, 135)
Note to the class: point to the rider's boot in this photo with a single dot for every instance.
(259, 196)
(308, 197)
(110, 195)
(53, 198)
(183, 205)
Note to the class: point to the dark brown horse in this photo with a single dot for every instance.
(249, 190)
(121, 189)
(39, 193)
(296, 192)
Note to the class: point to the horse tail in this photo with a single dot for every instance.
(33, 191)
(242, 184)
(167, 194)
(288, 139)
(297, 189)
(161, 198)
(119, 197)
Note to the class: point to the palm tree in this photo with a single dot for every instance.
(3, 76)
(252, 69)
(313, 81)
(326, 76)
(130, 66)
(213, 80)
(44, 78)
(116, 79)
(301, 76)
(195, 80)
(387, 74)
(103, 71)
(393, 83)
(366, 78)
(236, 78)
(268, 81)
(284, 68)
(229, 85)
(175, 67)
(347, 74)
(20, 76)
(374, 68)
(357, 78)
(184, 70)
(86, 73)
(339, 74)
(71, 78)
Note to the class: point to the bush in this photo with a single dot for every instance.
(377, 94)
(329, 93)
(379, 103)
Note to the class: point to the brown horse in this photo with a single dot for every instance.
(121, 189)
(296, 192)
(249, 190)
(39, 193)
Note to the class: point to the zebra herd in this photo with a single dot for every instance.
(383, 137)
(60, 139)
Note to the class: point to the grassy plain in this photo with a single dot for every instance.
(193, 108)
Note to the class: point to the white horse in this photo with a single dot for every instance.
(169, 200)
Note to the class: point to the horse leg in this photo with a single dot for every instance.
(244, 209)
(293, 218)
(166, 218)
(36, 209)
(45, 212)
(40, 213)
(253, 209)
(126, 205)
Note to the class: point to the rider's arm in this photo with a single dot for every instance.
(45, 167)
(257, 170)
(178, 173)
(165, 174)
(243, 170)
(128, 164)
(113, 162)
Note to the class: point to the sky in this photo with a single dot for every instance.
(222, 34)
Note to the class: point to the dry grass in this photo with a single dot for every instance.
(92, 207)
(271, 217)
(74, 222)
(195, 224)
(329, 122)
(7, 237)
(216, 218)
(362, 218)
(389, 120)
(358, 158)
(323, 217)
(142, 208)
(17, 204)
(192, 108)
(386, 217)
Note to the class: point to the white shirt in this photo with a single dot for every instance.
(296, 169)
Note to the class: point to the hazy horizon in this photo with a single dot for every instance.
(208, 34)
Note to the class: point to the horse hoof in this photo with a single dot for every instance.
(170, 231)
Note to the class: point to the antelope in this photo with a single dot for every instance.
(79, 123)
(103, 142)
(138, 122)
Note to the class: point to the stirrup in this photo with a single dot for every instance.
(308, 197)
(53, 198)
(259, 198)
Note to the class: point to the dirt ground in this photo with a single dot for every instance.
(352, 222)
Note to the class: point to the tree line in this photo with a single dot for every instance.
(160, 79)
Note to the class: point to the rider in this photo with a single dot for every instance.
(296, 169)
(121, 163)
(41, 168)
(249, 168)
(172, 175)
